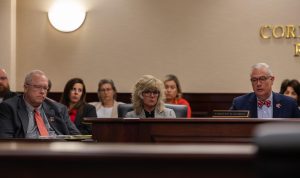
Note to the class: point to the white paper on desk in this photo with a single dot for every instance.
(74, 137)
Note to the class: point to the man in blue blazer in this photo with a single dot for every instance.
(263, 102)
(18, 114)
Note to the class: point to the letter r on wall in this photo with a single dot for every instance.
(297, 49)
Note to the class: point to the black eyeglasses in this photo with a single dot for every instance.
(38, 87)
(3, 78)
(151, 92)
(261, 79)
(105, 90)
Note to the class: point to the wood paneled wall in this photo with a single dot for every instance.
(202, 103)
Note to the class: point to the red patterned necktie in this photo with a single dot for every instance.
(40, 124)
(260, 103)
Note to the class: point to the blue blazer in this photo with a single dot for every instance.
(283, 106)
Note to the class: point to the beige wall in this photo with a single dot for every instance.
(5, 33)
(7, 36)
(209, 44)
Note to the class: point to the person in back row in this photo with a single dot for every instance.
(291, 88)
(263, 102)
(147, 99)
(74, 98)
(173, 93)
(32, 115)
(107, 107)
(5, 92)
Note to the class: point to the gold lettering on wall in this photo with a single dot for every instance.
(297, 49)
(278, 31)
(265, 32)
(290, 31)
(281, 31)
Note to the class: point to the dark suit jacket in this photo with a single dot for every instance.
(9, 94)
(14, 118)
(283, 106)
(65, 113)
(87, 111)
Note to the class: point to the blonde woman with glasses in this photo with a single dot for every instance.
(147, 99)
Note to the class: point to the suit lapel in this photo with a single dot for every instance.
(276, 103)
(159, 114)
(23, 114)
(253, 105)
(115, 110)
(142, 115)
(50, 114)
(98, 106)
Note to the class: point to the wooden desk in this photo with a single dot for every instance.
(77, 160)
(209, 130)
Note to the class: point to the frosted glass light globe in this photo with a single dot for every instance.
(66, 16)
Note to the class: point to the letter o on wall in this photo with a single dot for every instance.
(278, 31)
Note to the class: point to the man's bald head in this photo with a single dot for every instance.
(4, 85)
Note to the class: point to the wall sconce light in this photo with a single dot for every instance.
(66, 16)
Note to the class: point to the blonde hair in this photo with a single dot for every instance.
(147, 82)
(171, 77)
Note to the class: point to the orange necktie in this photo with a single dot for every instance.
(40, 124)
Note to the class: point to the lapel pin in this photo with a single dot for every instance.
(278, 105)
(51, 119)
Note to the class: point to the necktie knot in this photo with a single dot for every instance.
(260, 103)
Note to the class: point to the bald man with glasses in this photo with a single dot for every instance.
(263, 102)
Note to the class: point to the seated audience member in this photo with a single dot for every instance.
(147, 99)
(49, 89)
(107, 107)
(263, 102)
(5, 92)
(63, 109)
(291, 88)
(74, 98)
(174, 93)
(32, 115)
(49, 85)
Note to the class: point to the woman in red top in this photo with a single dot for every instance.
(174, 93)
(74, 98)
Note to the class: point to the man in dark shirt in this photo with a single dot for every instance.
(5, 92)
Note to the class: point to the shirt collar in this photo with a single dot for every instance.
(269, 98)
(29, 107)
